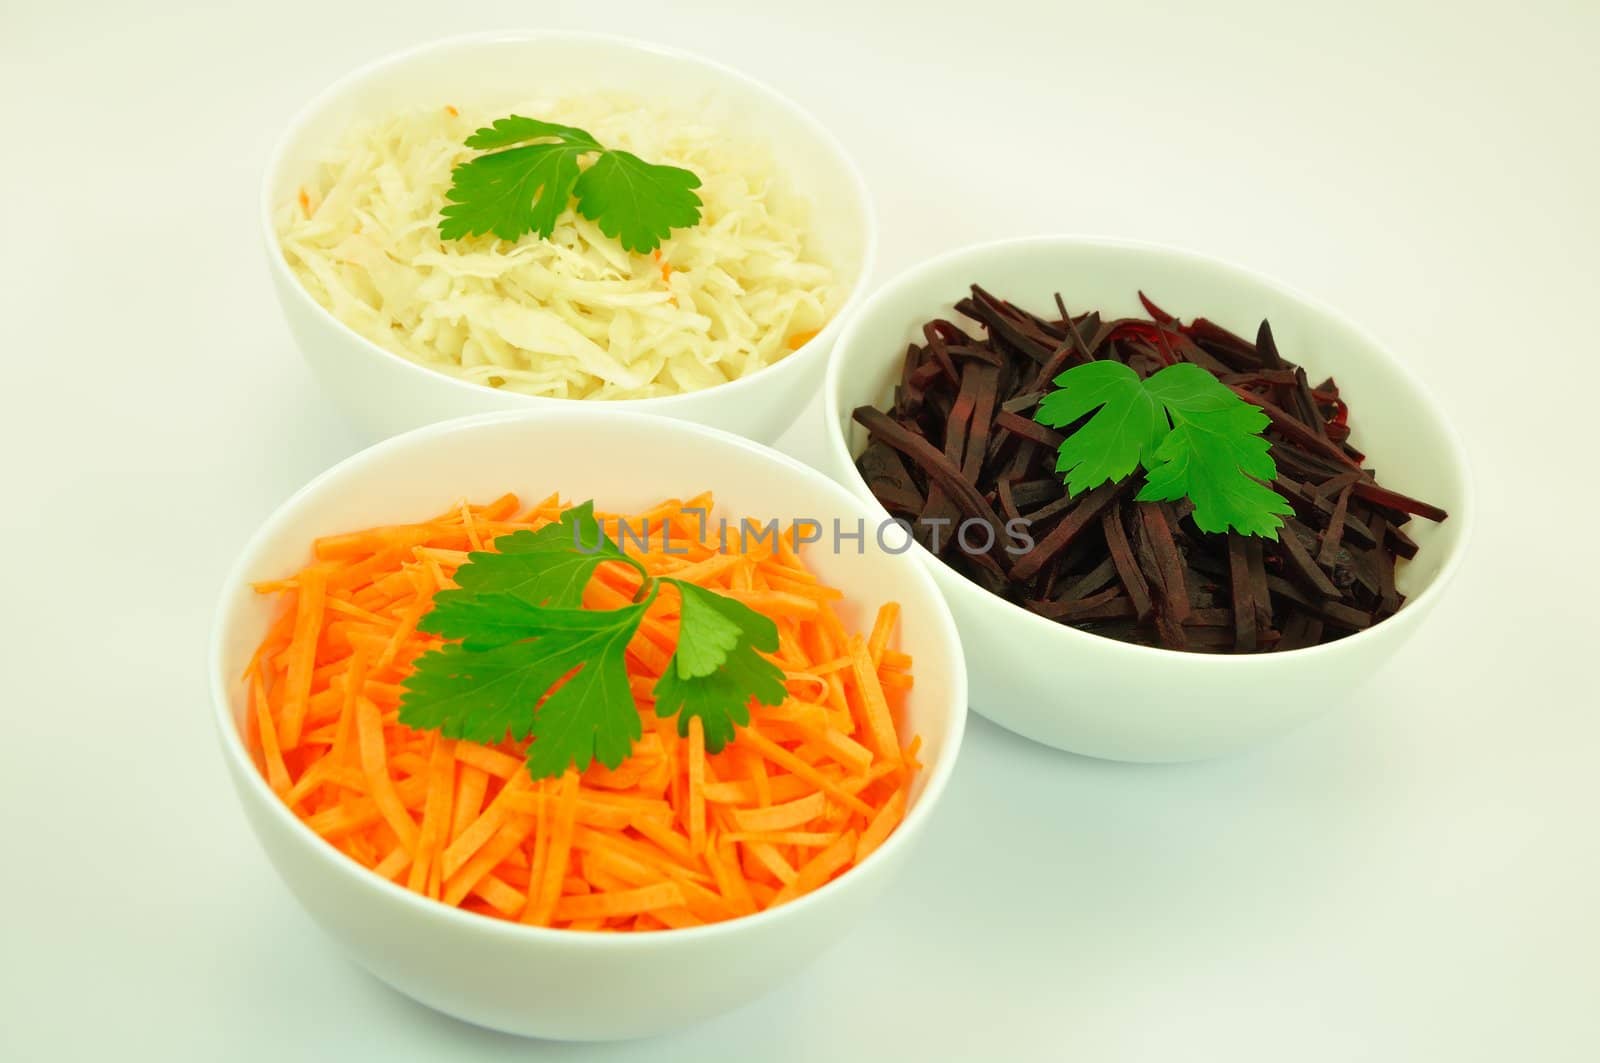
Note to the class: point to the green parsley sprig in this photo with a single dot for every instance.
(1191, 434)
(531, 171)
(520, 630)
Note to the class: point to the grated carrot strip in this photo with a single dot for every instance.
(882, 627)
(507, 837)
(898, 681)
(730, 881)
(408, 628)
(492, 761)
(811, 787)
(303, 652)
(784, 758)
(353, 688)
(664, 837)
(697, 785)
(781, 817)
(504, 898)
(768, 857)
(462, 848)
(560, 850)
(374, 765)
(800, 838)
(880, 725)
(471, 784)
(622, 902)
(392, 865)
(886, 820)
(471, 526)
(267, 734)
(819, 869)
(895, 659)
(541, 853)
(435, 813)
(743, 791)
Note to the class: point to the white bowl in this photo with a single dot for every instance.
(1097, 696)
(384, 393)
(562, 983)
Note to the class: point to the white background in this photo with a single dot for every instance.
(1414, 878)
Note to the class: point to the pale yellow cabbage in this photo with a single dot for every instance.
(575, 316)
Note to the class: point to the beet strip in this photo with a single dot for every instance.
(1335, 530)
(960, 443)
(1395, 500)
(985, 381)
(1174, 593)
(1073, 523)
(1330, 487)
(1343, 614)
(931, 461)
(1109, 604)
(889, 480)
(1401, 543)
(1286, 423)
(1098, 577)
(1121, 551)
(1244, 606)
(955, 428)
(1028, 429)
(1300, 559)
(1388, 595)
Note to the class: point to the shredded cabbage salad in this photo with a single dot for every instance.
(574, 316)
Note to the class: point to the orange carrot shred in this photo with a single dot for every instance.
(880, 725)
(302, 653)
(886, 820)
(560, 849)
(697, 784)
(675, 836)
(435, 813)
(277, 774)
(471, 784)
(820, 869)
(541, 854)
(622, 902)
(882, 628)
(369, 731)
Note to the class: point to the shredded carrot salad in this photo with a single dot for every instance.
(674, 836)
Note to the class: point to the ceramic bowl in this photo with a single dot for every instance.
(384, 393)
(1097, 696)
(562, 983)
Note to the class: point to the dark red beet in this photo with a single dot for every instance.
(960, 443)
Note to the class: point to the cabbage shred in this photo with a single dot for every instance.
(575, 315)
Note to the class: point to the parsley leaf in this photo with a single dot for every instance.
(706, 633)
(550, 566)
(1124, 433)
(505, 132)
(487, 693)
(522, 187)
(636, 202)
(722, 669)
(1193, 436)
(531, 664)
(1206, 458)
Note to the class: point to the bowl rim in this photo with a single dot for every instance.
(813, 348)
(282, 520)
(952, 582)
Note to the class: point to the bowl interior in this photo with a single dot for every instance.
(625, 462)
(1393, 419)
(506, 68)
